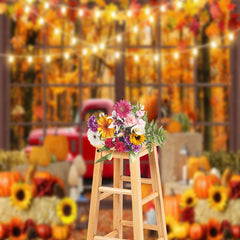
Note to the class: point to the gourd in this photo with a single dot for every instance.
(174, 127)
(57, 145)
(40, 156)
(7, 179)
(183, 119)
(60, 232)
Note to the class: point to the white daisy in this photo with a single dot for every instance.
(94, 138)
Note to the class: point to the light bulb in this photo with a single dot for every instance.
(63, 9)
(117, 55)
(80, 12)
(95, 48)
(66, 55)
(136, 58)
(113, 14)
(135, 29)
(48, 59)
(56, 31)
(163, 8)
(102, 46)
(97, 13)
(179, 4)
(231, 36)
(84, 52)
(156, 58)
(129, 13)
(176, 55)
(41, 21)
(73, 40)
(195, 51)
(30, 59)
(27, 9)
(11, 59)
(151, 19)
(46, 5)
(147, 11)
(213, 44)
(119, 38)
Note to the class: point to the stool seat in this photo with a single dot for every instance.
(100, 192)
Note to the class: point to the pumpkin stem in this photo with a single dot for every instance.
(203, 169)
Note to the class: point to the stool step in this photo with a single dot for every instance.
(143, 180)
(115, 190)
(107, 238)
(150, 197)
(145, 226)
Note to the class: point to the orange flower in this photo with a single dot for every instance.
(104, 129)
(213, 230)
(16, 229)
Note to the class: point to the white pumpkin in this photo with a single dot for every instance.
(215, 171)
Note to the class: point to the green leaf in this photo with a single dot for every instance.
(106, 157)
(104, 148)
(132, 156)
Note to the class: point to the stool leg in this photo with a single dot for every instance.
(136, 199)
(95, 202)
(117, 198)
(155, 175)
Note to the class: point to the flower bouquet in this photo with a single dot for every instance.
(127, 130)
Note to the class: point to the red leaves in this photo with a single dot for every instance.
(235, 186)
(187, 215)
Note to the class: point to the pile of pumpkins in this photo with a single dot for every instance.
(201, 183)
(55, 148)
(179, 122)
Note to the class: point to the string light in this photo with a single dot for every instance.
(63, 9)
(30, 59)
(66, 55)
(195, 52)
(129, 13)
(135, 29)
(41, 21)
(113, 14)
(73, 41)
(136, 58)
(29, 1)
(213, 44)
(95, 48)
(11, 59)
(56, 31)
(163, 8)
(84, 52)
(97, 14)
(151, 19)
(102, 46)
(80, 13)
(231, 36)
(46, 5)
(176, 55)
(156, 58)
(179, 5)
(119, 38)
(147, 11)
(27, 9)
(48, 59)
(117, 55)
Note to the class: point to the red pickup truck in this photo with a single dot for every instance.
(91, 106)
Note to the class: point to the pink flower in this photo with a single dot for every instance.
(141, 122)
(130, 120)
(140, 113)
(122, 108)
(119, 146)
(109, 143)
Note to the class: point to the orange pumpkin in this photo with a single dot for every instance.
(150, 105)
(42, 174)
(203, 183)
(172, 205)
(58, 145)
(235, 177)
(174, 127)
(40, 156)
(6, 181)
(60, 232)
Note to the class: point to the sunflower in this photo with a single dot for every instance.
(137, 139)
(188, 199)
(170, 222)
(214, 230)
(217, 197)
(16, 229)
(103, 127)
(21, 195)
(67, 210)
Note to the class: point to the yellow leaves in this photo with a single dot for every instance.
(109, 9)
(225, 5)
(212, 30)
(190, 7)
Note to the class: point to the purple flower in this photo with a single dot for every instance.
(127, 140)
(122, 108)
(136, 148)
(92, 124)
(126, 148)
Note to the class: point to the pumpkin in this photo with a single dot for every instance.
(196, 163)
(44, 231)
(183, 119)
(60, 232)
(235, 177)
(174, 127)
(196, 231)
(40, 156)
(172, 205)
(42, 174)
(235, 230)
(181, 230)
(6, 181)
(203, 183)
(58, 145)
(150, 105)
(4, 231)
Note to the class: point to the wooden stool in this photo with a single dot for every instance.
(100, 192)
